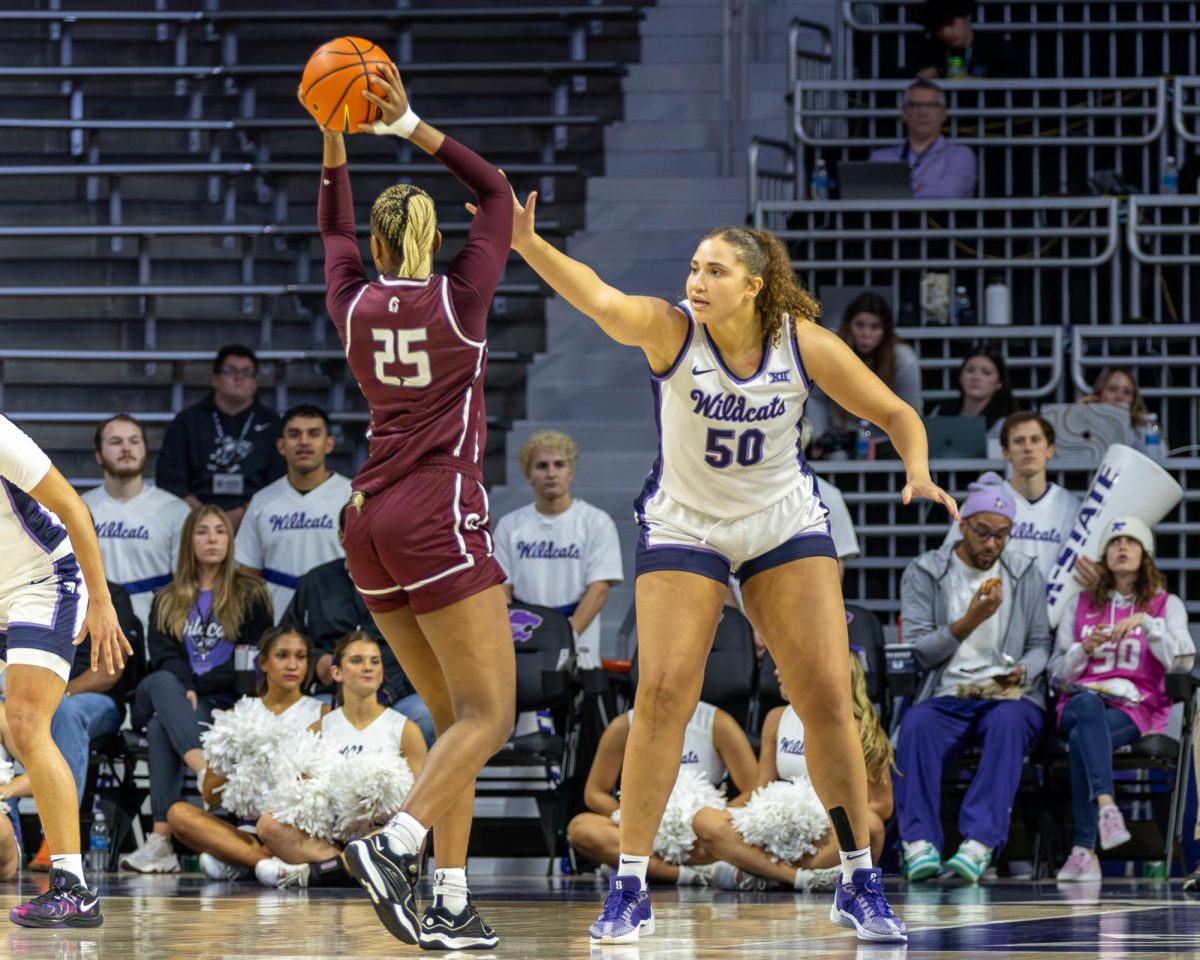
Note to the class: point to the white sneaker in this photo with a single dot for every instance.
(821, 880)
(1081, 866)
(216, 869)
(153, 856)
(274, 872)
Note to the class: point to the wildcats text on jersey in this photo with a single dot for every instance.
(299, 520)
(735, 409)
(547, 550)
(116, 530)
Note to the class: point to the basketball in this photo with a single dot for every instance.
(334, 79)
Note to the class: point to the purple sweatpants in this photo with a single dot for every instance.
(933, 734)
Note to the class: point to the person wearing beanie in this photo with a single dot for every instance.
(1113, 649)
(975, 614)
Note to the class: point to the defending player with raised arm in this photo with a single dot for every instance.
(52, 594)
(731, 367)
(417, 543)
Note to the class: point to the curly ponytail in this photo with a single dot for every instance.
(782, 297)
(405, 221)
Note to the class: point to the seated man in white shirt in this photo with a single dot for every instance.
(560, 551)
(291, 525)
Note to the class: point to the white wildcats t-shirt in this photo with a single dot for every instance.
(139, 540)
(32, 538)
(551, 560)
(980, 649)
(1041, 526)
(285, 533)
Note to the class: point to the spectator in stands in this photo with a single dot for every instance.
(1045, 511)
(1114, 646)
(1117, 385)
(868, 328)
(560, 551)
(938, 168)
(195, 623)
(94, 706)
(975, 615)
(984, 390)
(327, 607)
(137, 524)
(952, 49)
(222, 449)
(291, 524)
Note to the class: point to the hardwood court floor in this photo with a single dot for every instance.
(173, 918)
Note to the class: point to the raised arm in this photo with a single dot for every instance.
(345, 274)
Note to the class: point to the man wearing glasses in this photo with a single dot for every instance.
(975, 615)
(222, 449)
(938, 168)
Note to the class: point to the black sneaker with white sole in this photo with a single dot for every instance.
(443, 930)
(389, 876)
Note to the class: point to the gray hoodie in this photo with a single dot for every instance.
(1024, 628)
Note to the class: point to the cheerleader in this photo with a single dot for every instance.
(360, 727)
(713, 743)
(239, 783)
(781, 833)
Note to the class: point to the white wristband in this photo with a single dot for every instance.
(402, 126)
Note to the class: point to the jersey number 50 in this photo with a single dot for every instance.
(721, 448)
(395, 347)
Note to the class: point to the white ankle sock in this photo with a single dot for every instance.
(451, 885)
(629, 866)
(854, 860)
(407, 832)
(687, 876)
(71, 863)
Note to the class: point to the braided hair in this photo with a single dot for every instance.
(782, 299)
(405, 221)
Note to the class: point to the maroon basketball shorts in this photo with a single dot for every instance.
(423, 541)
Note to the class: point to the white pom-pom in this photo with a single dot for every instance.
(785, 818)
(233, 734)
(6, 771)
(675, 837)
(302, 793)
(368, 789)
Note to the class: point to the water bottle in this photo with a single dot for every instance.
(98, 842)
(997, 303)
(1152, 438)
(956, 67)
(864, 443)
(1170, 177)
(820, 181)
(964, 313)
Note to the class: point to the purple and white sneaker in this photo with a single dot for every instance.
(65, 904)
(861, 906)
(627, 914)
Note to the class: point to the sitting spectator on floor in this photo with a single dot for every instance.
(951, 48)
(975, 615)
(868, 328)
(138, 525)
(195, 623)
(560, 551)
(1114, 647)
(327, 607)
(1117, 385)
(291, 524)
(712, 743)
(1045, 511)
(938, 168)
(983, 390)
(222, 449)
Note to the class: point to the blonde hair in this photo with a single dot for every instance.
(877, 749)
(551, 440)
(404, 220)
(234, 594)
(782, 297)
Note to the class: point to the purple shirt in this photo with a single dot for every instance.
(204, 637)
(942, 171)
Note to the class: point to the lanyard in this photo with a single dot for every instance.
(221, 430)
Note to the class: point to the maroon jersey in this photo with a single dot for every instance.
(418, 348)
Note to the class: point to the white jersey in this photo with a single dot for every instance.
(384, 734)
(285, 533)
(139, 540)
(789, 746)
(699, 751)
(300, 715)
(728, 447)
(551, 560)
(32, 538)
(1041, 526)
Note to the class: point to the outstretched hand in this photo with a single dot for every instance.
(523, 219)
(928, 490)
(394, 102)
(108, 642)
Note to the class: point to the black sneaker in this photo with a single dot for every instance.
(443, 930)
(1192, 883)
(390, 877)
(65, 904)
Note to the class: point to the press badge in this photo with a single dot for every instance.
(229, 484)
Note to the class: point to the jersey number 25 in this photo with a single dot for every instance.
(395, 347)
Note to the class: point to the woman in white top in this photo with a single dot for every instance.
(360, 725)
(229, 852)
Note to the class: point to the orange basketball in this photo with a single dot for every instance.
(334, 78)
